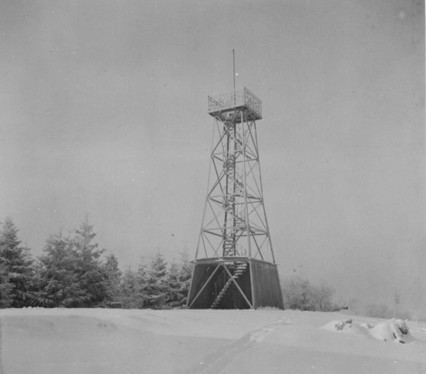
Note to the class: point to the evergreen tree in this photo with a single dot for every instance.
(142, 290)
(17, 264)
(185, 274)
(5, 288)
(89, 270)
(137, 287)
(174, 295)
(156, 282)
(57, 282)
(129, 289)
(178, 281)
(113, 275)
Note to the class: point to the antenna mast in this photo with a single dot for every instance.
(233, 63)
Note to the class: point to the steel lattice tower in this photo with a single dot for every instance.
(234, 262)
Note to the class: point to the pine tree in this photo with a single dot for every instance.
(156, 282)
(185, 274)
(137, 287)
(89, 270)
(178, 281)
(174, 295)
(142, 288)
(114, 275)
(128, 289)
(17, 264)
(56, 280)
(5, 288)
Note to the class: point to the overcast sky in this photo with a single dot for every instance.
(103, 111)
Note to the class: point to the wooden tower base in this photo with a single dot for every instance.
(234, 283)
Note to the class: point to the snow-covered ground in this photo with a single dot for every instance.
(206, 341)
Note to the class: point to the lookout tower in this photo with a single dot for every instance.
(234, 261)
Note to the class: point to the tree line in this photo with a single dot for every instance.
(74, 272)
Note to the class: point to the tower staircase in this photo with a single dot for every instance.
(229, 203)
(239, 269)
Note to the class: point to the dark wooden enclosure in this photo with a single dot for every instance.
(235, 283)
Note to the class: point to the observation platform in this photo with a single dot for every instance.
(230, 106)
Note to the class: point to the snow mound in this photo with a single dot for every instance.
(343, 325)
(391, 330)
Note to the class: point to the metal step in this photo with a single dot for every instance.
(239, 270)
(221, 293)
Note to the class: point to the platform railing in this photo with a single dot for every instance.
(241, 98)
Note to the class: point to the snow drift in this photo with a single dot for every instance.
(205, 341)
(395, 330)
